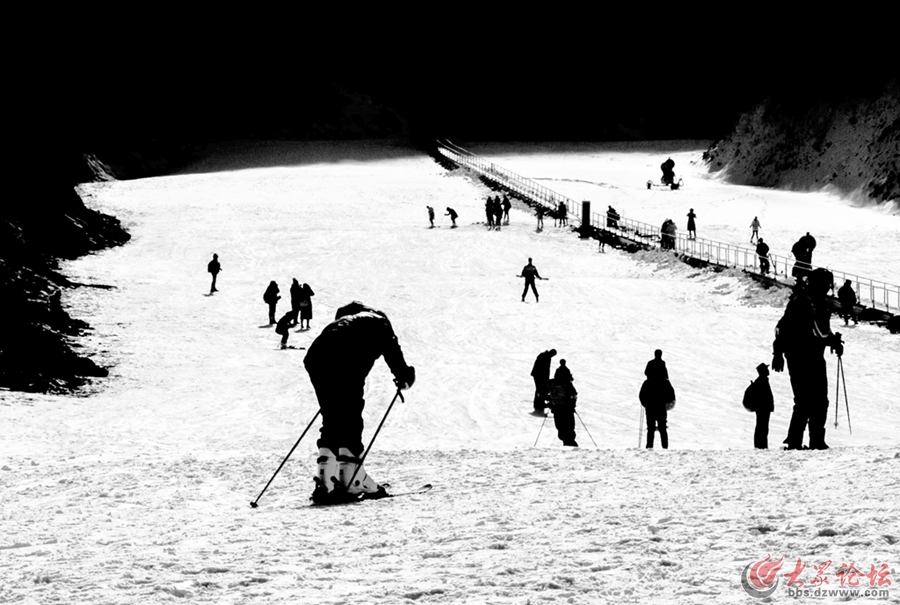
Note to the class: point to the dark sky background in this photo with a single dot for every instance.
(469, 79)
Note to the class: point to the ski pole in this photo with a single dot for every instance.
(586, 430)
(539, 430)
(378, 430)
(846, 402)
(641, 426)
(837, 393)
(255, 503)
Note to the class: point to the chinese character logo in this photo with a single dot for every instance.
(760, 579)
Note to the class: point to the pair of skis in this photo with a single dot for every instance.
(379, 495)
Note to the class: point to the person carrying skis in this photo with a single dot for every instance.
(758, 399)
(530, 272)
(848, 300)
(657, 397)
(801, 336)
(452, 214)
(762, 251)
(540, 372)
(337, 362)
(271, 298)
(562, 400)
(755, 227)
(214, 267)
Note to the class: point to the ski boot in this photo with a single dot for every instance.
(326, 478)
(363, 485)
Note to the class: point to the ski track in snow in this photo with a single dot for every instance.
(140, 493)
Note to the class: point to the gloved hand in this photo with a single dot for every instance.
(407, 379)
(777, 362)
(837, 344)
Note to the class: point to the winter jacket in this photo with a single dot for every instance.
(758, 396)
(541, 368)
(530, 272)
(271, 296)
(656, 370)
(803, 328)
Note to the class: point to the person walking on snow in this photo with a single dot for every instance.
(755, 227)
(801, 336)
(848, 300)
(657, 397)
(540, 372)
(271, 298)
(758, 399)
(530, 273)
(214, 267)
(691, 225)
(452, 214)
(564, 404)
(337, 362)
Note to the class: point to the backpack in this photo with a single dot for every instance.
(749, 399)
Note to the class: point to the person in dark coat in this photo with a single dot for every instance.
(540, 372)
(305, 303)
(337, 362)
(762, 251)
(848, 300)
(295, 299)
(530, 273)
(658, 397)
(214, 267)
(271, 298)
(758, 399)
(801, 336)
(497, 207)
(668, 170)
(691, 225)
(287, 320)
(506, 206)
(452, 214)
(539, 213)
(489, 212)
(563, 404)
(563, 213)
(430, 216)
(802, 251)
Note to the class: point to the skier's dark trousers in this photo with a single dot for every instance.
(541, 374)
(801, 336)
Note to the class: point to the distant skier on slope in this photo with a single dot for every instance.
(452, 214)
(430, 216)
(338, 361)
(281, 328)
(658, 397)
(540, 372)
(530, 272)
(214, 267)
(755, 227)
(758, 399)
(801, 336)
(563, 398)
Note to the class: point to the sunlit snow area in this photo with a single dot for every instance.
(140, 492)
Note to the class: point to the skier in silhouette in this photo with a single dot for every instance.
(214, 267)
(337, 362)
(540, 372)
(452, 214)
(430, 216)
(530, 273)
(658, 397)
(563, 401)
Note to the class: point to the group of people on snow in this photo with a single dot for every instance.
(496, 211)
(301, 308)
(558, 395)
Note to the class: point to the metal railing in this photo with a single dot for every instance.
(871, 293)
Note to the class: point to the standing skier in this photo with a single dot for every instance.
(755, 227)
(758, 398)
(541, 374)
(762, 251)
(214, 267)
(271, 298)
(338, 361)
(691, 225)
(530, 272)
(658, 397)
(848, 300)
(563, 401)
(801, 336)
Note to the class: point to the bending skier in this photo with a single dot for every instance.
(338, 361)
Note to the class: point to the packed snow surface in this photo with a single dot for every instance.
(140, 492)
